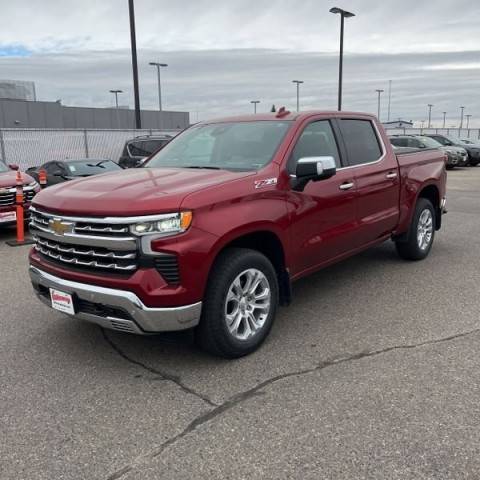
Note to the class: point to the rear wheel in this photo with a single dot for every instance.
(421, 234)
(239, 305)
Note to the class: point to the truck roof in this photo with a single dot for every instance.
(289, 116)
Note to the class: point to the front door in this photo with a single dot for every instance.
(323, 216)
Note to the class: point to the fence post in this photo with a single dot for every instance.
(85, 141)
(3, 155)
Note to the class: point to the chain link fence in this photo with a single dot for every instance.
(33, 147)
(472, 134)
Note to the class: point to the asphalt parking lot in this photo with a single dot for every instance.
(372, 373)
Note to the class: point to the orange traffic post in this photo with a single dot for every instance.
(42, 177)
(20, 202)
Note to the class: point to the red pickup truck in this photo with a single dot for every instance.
(211, 233)
(8, 183)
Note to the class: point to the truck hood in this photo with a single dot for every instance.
(136, 191)
(9, 179)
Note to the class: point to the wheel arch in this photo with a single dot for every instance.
(267, 242)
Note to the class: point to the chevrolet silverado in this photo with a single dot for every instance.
(213, 230)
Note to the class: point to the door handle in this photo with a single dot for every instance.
(391, 175)
(346, 186)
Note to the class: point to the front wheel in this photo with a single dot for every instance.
(239, 305)
(474, 163)
(421, 234)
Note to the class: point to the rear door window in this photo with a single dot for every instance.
(361, 141)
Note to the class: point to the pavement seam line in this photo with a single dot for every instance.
(164, 375)
(247, 394)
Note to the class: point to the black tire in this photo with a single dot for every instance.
(474, 163)
(212, 334)
(450, 167)
(411, 249)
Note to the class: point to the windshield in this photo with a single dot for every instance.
(3, 167)
(238, 146)
(430, 142)
(91, 167)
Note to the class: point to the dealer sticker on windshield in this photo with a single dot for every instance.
(62, 301)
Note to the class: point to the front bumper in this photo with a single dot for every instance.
(115, 309)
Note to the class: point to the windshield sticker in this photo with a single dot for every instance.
(72, 168)
(265, 183)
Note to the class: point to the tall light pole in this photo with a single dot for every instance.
(389, 99)
(444, 118)
(379, 91)
(343, 14)
(159, 65)
(461, 117)
(133, 46)
(468, 120)
(430, 115)
(255, 105)
(298, 82)
(116, 92)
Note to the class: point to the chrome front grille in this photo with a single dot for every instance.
(94, 244)
(81, 256)
(90, 227)
(7, 196)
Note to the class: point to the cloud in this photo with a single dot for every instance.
(223, 54)
(222, 82)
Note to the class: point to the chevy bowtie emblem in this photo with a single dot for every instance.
(60, 228)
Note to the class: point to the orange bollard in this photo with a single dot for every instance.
(42, 177)
(19, 200)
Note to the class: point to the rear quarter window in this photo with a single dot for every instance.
(361, 141)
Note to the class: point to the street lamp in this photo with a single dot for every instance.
(298, 82)
(116, 92)
(379, 91)
(343, 14)
(133, 48)
(468, 120)
(444, 118)
(461, 117)
(430, 115)
(254, 105)
(159, 65)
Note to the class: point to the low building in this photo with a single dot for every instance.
(17, 113)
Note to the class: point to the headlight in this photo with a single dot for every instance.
(449, 151)
(34, 184)
(167, 224)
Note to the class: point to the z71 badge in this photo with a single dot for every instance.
(265, 183)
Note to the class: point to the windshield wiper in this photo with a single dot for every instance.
(209, 167)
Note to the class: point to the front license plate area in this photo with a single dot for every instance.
(62, 301)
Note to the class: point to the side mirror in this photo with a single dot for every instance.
(313, 169)
(422, 145)
(13, 166)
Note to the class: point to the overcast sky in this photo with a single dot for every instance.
(222, 54)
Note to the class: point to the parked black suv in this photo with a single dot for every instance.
(472, 149)
(137, 149)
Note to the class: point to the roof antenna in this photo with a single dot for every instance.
(282, 112)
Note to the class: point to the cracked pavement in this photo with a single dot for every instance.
(373, 372)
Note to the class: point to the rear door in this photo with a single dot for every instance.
(323, 216)
(377, 182)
